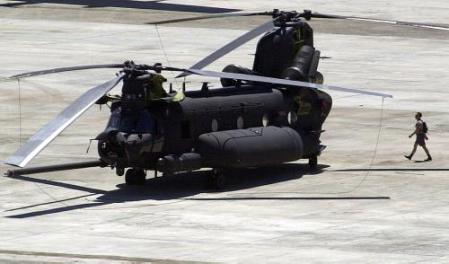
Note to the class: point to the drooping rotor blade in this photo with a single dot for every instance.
(256, 78)
(232, 45)
(384, 21)
(48, 132)
(234, 14)
(63, 69)
(57, 167)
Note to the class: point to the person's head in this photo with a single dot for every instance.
(158, 67)
(418, 115)
(319, 78)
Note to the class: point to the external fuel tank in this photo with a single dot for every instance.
(259, 146)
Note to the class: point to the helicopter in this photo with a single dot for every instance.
(268, 115)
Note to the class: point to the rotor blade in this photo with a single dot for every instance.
(63, 69)
(384, 21)
(232, 46)
(57, 167)
(255, 78)
(234, 14)
(47, 133)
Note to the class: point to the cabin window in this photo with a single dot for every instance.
(240, 122)
(265, 120)
(292, 118)
(185, 129)
(214, 125)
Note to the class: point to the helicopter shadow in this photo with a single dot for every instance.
(168, 188)
(184, 185)
(145, 5)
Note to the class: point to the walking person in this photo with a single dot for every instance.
(421, 137)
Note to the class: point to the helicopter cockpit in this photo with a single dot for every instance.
(132, 130)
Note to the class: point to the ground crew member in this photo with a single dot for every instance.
(304, 107)
(318, 78)
(421, 137)
(156, 89)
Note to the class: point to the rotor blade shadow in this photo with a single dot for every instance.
(49, 203)
(291, 198)
(393, 169)
(59, 184)
(55, 210)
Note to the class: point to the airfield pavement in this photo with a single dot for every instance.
(367, 204)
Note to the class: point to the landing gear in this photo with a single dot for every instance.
(217, 179)
(313, 162)
(135, 177)
(120, 171)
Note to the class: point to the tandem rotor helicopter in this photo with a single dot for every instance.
(268, 115)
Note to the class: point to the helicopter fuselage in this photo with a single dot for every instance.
(242, 126)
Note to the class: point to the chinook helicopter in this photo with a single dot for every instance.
(268, 115)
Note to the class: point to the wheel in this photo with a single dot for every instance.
(218, 179)
(120, 171)
(135, 177)
(313, 162)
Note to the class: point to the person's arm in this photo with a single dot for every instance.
(418, 129)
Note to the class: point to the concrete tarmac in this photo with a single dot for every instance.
(366, 204)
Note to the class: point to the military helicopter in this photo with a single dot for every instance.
(268, 115)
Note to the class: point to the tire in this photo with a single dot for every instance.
(218, 180)
(120, 171)
(135, 177)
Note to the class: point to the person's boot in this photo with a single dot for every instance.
(429, 158)
(409, 157)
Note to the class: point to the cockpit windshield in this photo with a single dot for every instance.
(139, 122)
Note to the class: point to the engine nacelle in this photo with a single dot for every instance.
(299, 70)
(260, 146)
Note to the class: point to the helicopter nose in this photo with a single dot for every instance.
(134, 145)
